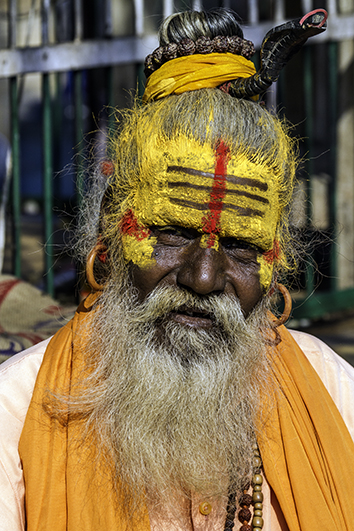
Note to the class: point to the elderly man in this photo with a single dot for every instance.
(175, 400)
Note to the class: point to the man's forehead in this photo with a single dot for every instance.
(211, 189)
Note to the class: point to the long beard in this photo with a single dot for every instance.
(175, 408)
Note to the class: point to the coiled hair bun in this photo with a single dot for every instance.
(195, 24)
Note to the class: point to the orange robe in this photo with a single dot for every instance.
(307, 451)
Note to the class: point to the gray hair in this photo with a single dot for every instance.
(195, 24)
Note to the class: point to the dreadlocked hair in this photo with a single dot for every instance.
(205, 116)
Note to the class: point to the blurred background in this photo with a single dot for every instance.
(64, 64)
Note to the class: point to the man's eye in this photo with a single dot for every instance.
(170, 234)
(170, 231)
(233, 244)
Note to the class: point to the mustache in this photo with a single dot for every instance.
(222, 309)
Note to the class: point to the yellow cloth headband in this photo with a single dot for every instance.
(195, 72)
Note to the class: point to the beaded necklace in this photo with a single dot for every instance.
(246, 500)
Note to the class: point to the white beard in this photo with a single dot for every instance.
(175, 411)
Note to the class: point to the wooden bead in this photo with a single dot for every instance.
(257, 522)
(258, 506)
(229, 524)
(257, 497)
(203, 45)
(258, 512)
(246, 528)
(186, 47)
(157, 55)
(170, 51)
(257, 462)
(257, 479)
(220, 44)
(244, 515)
(257, 488)
(234, 44)
(245, 499)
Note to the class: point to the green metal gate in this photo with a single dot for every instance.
(108, 41)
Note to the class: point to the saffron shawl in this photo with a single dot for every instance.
(194, 72)
(307, 451)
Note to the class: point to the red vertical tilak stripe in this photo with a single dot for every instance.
(211, 222)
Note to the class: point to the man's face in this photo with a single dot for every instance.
(182, 262)
(205, 219)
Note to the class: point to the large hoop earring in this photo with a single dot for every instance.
(287, 305)
(89, 267)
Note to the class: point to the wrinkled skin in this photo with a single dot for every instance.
(182, 263)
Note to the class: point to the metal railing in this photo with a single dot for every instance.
(107, 49)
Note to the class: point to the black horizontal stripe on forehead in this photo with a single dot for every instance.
(242, 211)
(243, 181)
(243, 193)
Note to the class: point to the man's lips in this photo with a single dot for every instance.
(192, 317)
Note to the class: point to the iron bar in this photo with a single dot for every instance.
(333, 100)
(308, 90)
(306, 6)
(16, 177)
(12, 22)
(48, 183)
(45, 8)
(47, 160)
(78, 20)
(279, 12)
(110, 99)
(78, 103)
(91, 54)
(75, 56)
(108, 30)
(253, 12)
(139, 17)
(197, 5)
(167, 8)
(15, 147)
(332, 8)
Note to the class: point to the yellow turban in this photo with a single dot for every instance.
(195, 72)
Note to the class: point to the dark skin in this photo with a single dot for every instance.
(182, 263)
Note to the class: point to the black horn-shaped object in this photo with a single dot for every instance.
(278, 46)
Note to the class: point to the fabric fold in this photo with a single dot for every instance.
(194, 72)
(307, 451)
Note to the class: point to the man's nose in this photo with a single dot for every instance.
(202, 271)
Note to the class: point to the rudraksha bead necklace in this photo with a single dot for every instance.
(246, 500)
(203, 45)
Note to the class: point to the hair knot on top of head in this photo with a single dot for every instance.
(203, 45)
(207, 50)
(194, 32)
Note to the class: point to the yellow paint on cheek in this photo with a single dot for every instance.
(139, 251)
(205, 242)
(265, 272)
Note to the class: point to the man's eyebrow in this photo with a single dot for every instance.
(200, 206)
(243, 193)
(244, 181)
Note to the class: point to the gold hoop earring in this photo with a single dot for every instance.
(287, 305)
(89, 267)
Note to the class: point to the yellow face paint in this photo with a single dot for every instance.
(206, 242)
(138, 251)
(138, 244)
(219, 193)
(265, 272)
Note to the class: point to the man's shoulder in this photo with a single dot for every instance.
(336, 374)
(17, 379)
(321, 356)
